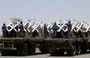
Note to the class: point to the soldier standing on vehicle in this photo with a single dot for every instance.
(4, 30)
(45, 31)
(21, 30)
(55, 28)
(69, 33)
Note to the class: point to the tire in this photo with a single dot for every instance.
(5, 53)
(78, 50)
(52, 54)
(44, 51)
(83, 50)
(25, 50)
(22, 51)
(31, 50)
(43, 48)
(55, 52)
(72, 52)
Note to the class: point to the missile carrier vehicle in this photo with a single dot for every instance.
(13, 44)
(77, 44)
(25, 43)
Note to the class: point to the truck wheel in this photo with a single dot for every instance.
(43, 48)
(5, 53)
(78, 50)
(56, 53)
(83, 51)
(43, 51)
(31, 50)
(22, 51)
(25, 50)
(72, 52)
(52, 54)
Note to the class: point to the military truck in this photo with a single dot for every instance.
(26, 45)
(21, 46)
(77, 44)
(33, 38)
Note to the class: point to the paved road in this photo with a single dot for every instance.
(47, 56)
(38, 55)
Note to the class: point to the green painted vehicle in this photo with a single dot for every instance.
(18, 46)
(22, 45)
(73, 46)
(60, 45)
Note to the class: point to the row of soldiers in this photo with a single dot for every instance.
(21, 32)
(9, 32)
(70, 30)
(55, 29)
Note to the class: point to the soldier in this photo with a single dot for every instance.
(45, 31)
(69, 25)
(4, 30)
(21, 32)
(55, 28)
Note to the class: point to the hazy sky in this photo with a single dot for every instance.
(45, 10)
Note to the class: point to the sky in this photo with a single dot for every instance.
(45, 10)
